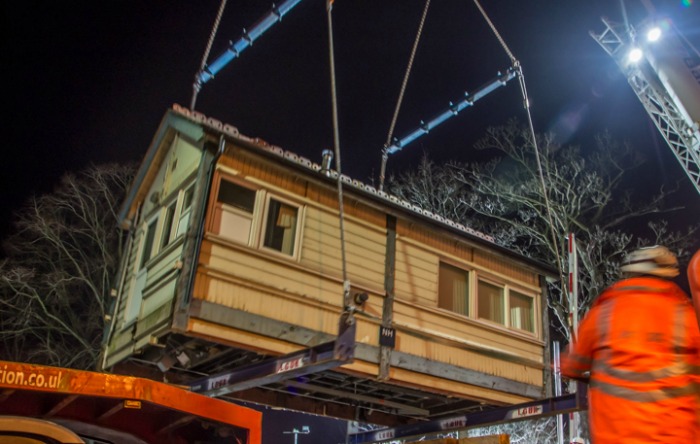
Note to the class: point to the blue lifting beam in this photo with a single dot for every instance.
(519, 412)
(500, 80)
(273, 16)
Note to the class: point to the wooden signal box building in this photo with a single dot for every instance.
(234, 258)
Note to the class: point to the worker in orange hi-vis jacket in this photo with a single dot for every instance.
(694, 280)
(639, 348)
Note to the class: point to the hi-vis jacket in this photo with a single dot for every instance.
(641, 344)
(694, 281)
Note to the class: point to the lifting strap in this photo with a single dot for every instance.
(385, 153)
(196, 86)
(336, 144)
(526, 104)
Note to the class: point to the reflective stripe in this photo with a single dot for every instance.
(676, 369)
(679, 367)
(641, 288)
(689, 389)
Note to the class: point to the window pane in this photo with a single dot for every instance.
(453, 291)
(148, 243)
(183, 223)
(236, 226)
(168, 224)
(236, 196)
(187, 198)
(521, 311)
(281, 227)
(491, 302)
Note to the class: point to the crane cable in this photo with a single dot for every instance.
(526, 103)
(336, 144)
(196, 86)
(385, 153)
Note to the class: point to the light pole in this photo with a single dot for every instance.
(305, 430)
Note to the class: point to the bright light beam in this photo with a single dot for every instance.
(634, 55)
(654, 34)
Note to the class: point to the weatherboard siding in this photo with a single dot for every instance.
(307, 293)
(364, 247)
(306, 290)
(416, 275)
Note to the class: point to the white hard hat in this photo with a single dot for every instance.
(578, 440)
(656, 261)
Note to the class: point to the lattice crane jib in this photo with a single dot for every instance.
(666, 79)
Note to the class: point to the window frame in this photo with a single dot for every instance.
(258, 217)
(475, 277)
(470, 290)
(145, 257)
(534, 309)
(263, 228)
(504, 296)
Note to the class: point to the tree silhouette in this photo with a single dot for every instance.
(55, 279)
(588, 195)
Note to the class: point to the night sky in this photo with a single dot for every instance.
(88, 82)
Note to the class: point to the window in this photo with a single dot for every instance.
(254, 218)
(453, 292)
(281, 227)
(174, 219)
(468, 293)
(186, 210)
(491, 302)
(237, 196)
(147, 250)
(176, 216)
(234, 211)
(168, 219)
(522, 313)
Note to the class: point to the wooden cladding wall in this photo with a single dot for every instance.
(416, 275)
(364, 246)
(248, 164)
(449, 245)
(305, 289)
(441, 325)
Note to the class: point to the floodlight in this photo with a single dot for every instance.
(634, 55)
(653, 34)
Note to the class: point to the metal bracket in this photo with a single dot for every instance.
(303, 362)
(518, 412)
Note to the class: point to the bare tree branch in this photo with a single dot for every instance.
(587, 196)
(60, 260)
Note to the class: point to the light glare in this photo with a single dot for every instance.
(654, 34)
(635, 55)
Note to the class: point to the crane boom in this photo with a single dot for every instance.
(667, 82)
(246, 40)
(468, 100)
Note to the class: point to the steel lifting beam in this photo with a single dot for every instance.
(519, 412)
(500, 80)
(249, 36)
(303, 362)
